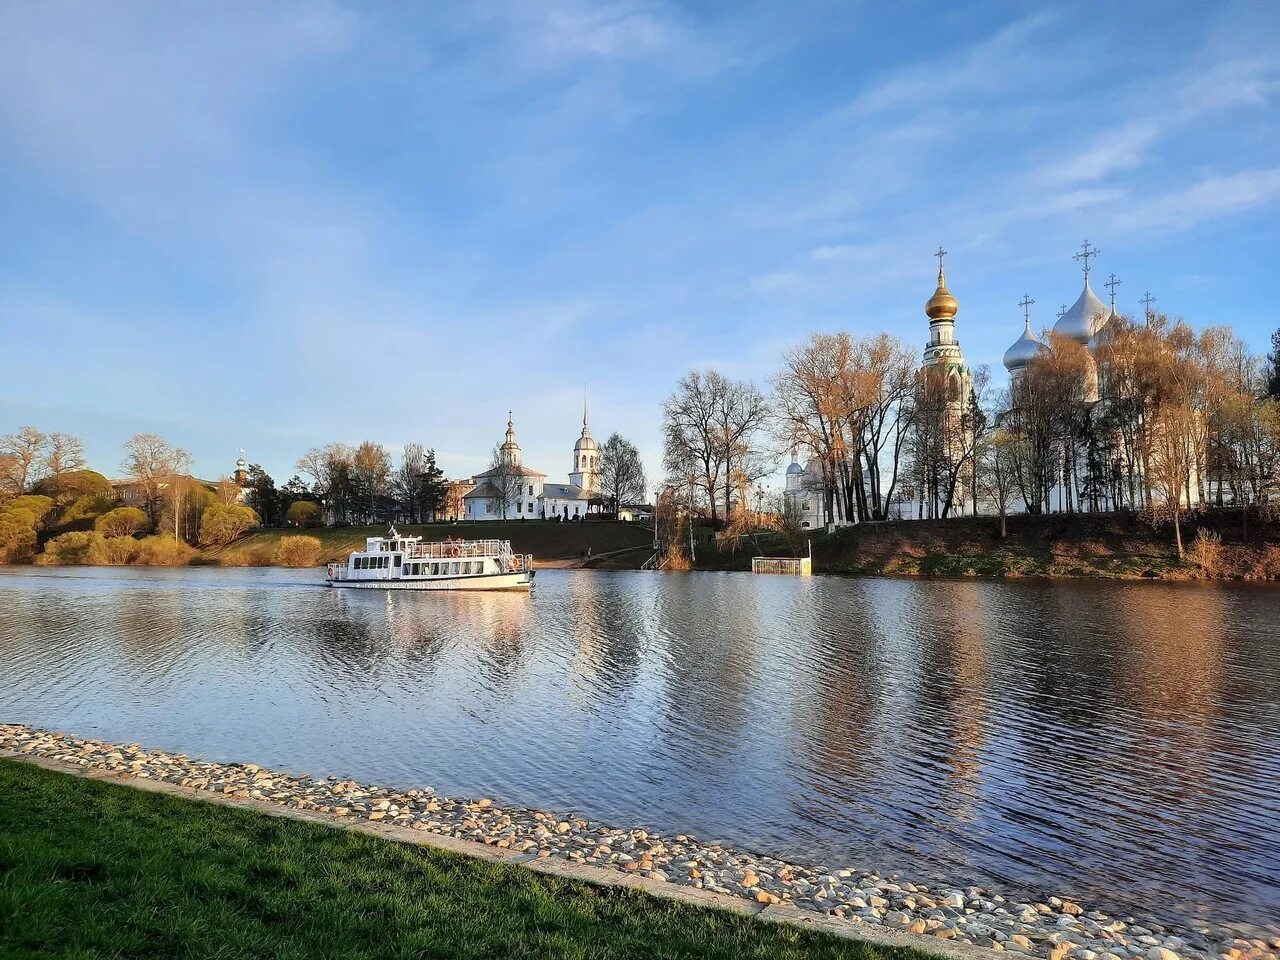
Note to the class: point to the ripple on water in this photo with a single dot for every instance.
(1112, 742)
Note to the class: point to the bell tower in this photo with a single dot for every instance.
(586, 457)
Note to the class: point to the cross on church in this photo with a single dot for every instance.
(1146, 301)
(1112, 282)
(1062, 310)
(940, 254)
(1086, 252)
(1025, 303)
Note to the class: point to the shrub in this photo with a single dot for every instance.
(298, 551)
(75, 484)
(19, 519)
(1206, 552)
(302, 513)
(121, 522)
(164, 551)
(260, 555)
(34, 504)
(70, 548)
(118, 551)
(82, 512)
(223, 522)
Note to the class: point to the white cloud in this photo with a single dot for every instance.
(1208, 199)
(982, 67)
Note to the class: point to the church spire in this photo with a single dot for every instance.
(942, 306)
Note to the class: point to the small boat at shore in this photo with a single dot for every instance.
(394, 562)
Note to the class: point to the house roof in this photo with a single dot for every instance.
(519, 469)
(483, 491)
(564, 491)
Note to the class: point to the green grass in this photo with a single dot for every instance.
(91, 869)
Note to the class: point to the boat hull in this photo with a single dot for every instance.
(522, 580)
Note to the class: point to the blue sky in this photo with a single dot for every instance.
(275, 225)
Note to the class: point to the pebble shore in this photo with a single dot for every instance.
(1053, 928)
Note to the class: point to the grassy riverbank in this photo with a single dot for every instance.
(550, 543)
(95, 869)
(1111, 546)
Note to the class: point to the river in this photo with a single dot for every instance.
(1111, 742)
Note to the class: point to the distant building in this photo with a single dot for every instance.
(531, 496)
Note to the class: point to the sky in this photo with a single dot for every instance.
(273, 226)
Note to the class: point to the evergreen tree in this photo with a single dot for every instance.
(1273, 367)
(263, 498)
(432, 486)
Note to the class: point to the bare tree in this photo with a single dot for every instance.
(621, 474)
(152, 462)
(506, 478)
(692, 450)
(63, 454)
(22, 453)
(407, 483)
(371, 466)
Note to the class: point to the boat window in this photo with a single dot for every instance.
(435, 569)
(398, 559)
(455, 567)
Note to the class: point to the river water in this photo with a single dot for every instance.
(1116, 743)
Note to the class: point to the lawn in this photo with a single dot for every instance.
(91, 869)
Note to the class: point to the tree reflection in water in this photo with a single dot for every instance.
(1110, 741)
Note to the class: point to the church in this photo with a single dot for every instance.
(530, 497)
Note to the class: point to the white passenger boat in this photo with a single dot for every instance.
(394, 562)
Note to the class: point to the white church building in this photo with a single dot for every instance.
(534, 498)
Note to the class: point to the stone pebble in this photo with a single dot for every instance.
(1052, 928)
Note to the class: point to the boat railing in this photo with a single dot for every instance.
(452, 550)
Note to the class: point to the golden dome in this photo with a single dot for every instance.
(942, 305)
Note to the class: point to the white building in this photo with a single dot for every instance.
(531, 496)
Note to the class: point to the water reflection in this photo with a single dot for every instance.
(1114, 742)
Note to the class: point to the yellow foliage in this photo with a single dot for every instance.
(298, 551)
(121, 522)
(223, 522)
(164, 551)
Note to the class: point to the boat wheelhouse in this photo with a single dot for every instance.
(394, 562)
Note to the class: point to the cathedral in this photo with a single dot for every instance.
(530, 496)
(1085, 322)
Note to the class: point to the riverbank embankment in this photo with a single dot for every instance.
(1101, 545)
(551, 544)
(863, 904)
(93, 868)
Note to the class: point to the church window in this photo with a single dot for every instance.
(531, 489)
(518, 506)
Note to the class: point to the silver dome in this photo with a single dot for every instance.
(1101, 333)
(1084, 317)
(1023, 350)
(794, 469)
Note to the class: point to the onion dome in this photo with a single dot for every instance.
(1023, 350)
(1103, 331)
(1084, 317)
(510, 445)
(242, 464)
(942, 305)
(586, 443)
